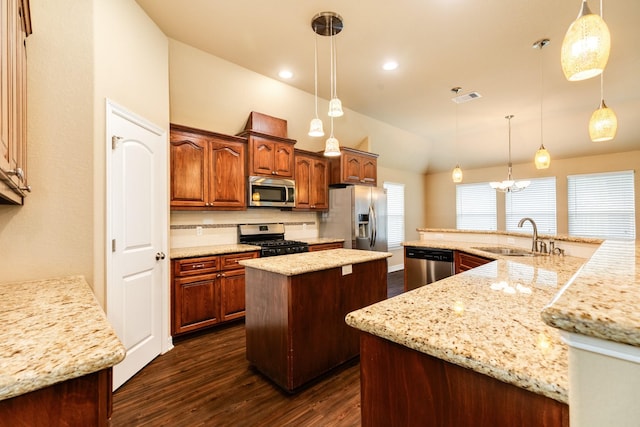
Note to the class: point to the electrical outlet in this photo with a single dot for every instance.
(198, 231)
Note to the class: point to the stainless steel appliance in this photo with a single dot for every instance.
(271, 192)
(358, 214)
(270, 237)
(426, 265)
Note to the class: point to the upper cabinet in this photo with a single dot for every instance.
(270, 151)
(15, 26)
(269, 155)
(312, 181)
(354, 167)
(207, 170)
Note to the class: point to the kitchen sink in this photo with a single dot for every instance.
(501, 250)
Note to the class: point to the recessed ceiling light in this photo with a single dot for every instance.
(390, 65)
(285, 74)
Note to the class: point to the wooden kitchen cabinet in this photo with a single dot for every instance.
(15, 26)
(325, 246)
(207, 291)
(269, 155)
(207, 170)
(354, 167)
(464, 261)
(312, 181)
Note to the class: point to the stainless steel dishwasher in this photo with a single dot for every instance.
(426, 265)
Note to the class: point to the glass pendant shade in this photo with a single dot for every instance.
(509, 185)
(603, 124)
(456, 175)
(543, 158)
(586, 46)
(315, 128)
(335, 108)
(332, 147)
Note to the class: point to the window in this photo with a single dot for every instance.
(537, 201)
(476, 207)
(602, 205)
(395, 214)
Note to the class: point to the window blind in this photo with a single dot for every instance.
(602, 205)
(476, 207)
(395, 214)
(537, 201)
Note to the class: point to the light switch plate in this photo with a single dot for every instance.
(347, 269)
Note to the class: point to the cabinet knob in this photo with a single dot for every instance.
(18, 172)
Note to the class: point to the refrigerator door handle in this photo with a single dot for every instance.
(374, 226)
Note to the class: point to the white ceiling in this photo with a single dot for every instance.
(483, 46)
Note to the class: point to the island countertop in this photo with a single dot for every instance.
(307, 262)
(210, 250)
(52, 331)
(486, 319)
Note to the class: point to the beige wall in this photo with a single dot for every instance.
(79, 53)
(440, 198)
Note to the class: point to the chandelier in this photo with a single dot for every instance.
(509, 185)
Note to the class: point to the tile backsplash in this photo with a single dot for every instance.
(203, 228)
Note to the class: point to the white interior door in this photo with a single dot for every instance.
(137, 236)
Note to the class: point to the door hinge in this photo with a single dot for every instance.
(113, 245)
(114, 141)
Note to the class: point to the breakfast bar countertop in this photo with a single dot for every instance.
(211, 250)
(486, 319)
(51, 331)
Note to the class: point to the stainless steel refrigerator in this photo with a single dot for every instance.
(357, 214)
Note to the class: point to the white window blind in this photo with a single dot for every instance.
(395, 214)
(602, 205)
(476, 207)
(537, 201)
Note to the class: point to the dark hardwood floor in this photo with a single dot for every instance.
(206, 381)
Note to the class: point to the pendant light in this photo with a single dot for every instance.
(315, 128)
(456, 174)
(509, 185)
(335, 105)
(604, 123)
(586, 46)
(332, 145)
(542, 159)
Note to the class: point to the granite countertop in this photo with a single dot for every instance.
(558, 237)
(307, 262)
(601, 301)
(321, 240)
(52, 331)
(211, 250)
(486, 319)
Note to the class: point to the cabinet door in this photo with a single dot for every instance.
(304, 166)
(283, 160)
(196, 302)
(227, 181)
(262, 156)
(319, 186)
(369, 171)
(189, 171)
(232, 294)
(351, 168)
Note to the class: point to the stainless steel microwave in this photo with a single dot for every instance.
(271, 192)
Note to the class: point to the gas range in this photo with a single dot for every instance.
(270, 237)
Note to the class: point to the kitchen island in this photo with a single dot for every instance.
(56, 353)
(471, 349)
(295, 308)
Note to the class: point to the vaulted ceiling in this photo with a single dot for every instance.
(482, 46)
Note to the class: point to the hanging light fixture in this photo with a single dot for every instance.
(456, 174)
(604, 123)
(315, 128)
(509, 185)
(586, 46)
(542, 158)
(332, 145)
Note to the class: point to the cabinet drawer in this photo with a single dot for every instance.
(465, 261)
(191, 266)
(229, 262)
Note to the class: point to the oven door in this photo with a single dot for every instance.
(271, 192)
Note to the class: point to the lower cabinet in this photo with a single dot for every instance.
(207, 291)
(325, 246)
(464, 261)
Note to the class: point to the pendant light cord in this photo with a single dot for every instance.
(331, 65)
(541, 93)
(315, 68)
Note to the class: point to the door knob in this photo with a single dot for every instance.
(159, 256)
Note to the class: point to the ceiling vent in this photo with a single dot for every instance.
(466, 97)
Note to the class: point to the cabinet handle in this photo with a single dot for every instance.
(18, 172)
(274, 173)
(194, 266)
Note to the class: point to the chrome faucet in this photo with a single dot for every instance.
(534, 241)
